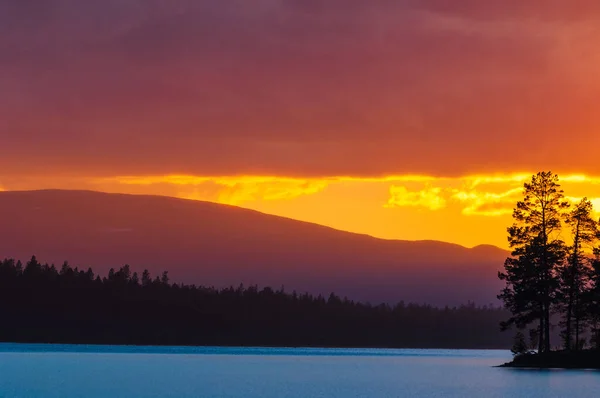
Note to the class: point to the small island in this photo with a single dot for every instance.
(585, 359)
(553, 278)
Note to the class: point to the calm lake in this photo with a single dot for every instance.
(90, 371)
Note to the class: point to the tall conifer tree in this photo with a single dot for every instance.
(530, 273)
(576, 271)
(592, 299)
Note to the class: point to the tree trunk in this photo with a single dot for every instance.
(541, 331)
(568, 342)
(576, 328)
(546, 277)
(569, 320)
(573, 290)
(547, 328)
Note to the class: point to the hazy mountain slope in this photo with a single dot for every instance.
(212, 244)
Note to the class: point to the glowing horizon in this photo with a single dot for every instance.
(469, 210)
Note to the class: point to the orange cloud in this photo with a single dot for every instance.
(476, 195)
(595, 202)
(390, 178)
(474, 181)
(488, 203)
(481, 195)
(430, 198)
(233, 190)
(237, 190)
(242, 191)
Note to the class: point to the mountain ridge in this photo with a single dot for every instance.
(214, 244)
(434, 241)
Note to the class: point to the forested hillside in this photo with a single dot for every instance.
(43, 303)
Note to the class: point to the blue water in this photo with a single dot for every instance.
(92, 371)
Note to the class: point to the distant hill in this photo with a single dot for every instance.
(219, 245)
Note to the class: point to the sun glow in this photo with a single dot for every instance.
(468, 210)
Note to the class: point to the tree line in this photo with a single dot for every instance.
(43, 303)
(553, 272)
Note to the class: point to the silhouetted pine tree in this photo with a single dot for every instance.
(530, 272)
(575, 273)
(592, 300)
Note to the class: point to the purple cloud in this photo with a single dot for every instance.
(296, 87)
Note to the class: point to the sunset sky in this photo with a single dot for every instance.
(407, 119)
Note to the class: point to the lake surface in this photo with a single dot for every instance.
(114, 371)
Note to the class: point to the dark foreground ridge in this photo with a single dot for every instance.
(586, 359)
(42, 304)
